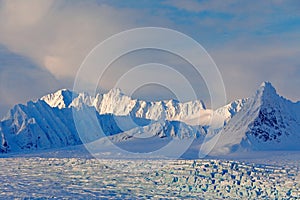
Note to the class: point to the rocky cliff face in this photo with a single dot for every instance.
(267, 121)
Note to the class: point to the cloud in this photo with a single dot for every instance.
(250, 41)
(236, 18)
(234, 6)
(57, 35)
(21, 80)
(245, 64)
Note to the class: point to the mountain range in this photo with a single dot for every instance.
(265, 121)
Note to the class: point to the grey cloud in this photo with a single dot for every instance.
(244, 65)
(21, 80)
(57, 35)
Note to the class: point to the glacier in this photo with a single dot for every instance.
(50, 175)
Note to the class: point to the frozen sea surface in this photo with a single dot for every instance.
(69, 177)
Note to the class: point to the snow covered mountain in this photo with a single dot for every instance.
(48, 122)
(115, 102)
(150, 139)
(264, 121)
(267, 121)
(229, 110)
(60, 99)
(39, 126)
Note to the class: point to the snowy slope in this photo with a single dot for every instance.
(48, 122)
(161, 129)
(115, 102)
(267, 121)
(229, 110)
(60, 99)
(170, 110)
(39, 126)
(35, 125)
(162, 139)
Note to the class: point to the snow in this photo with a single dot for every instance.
(67, 175)
(38, 126)
(256, 155)
(61, 99)
(267, 121)
(115, 102)
(229, 110)
(48, 122)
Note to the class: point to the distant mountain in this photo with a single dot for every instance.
(60, 99)
(39, 126)
(48, 122)
(266, 121)
(115, 102)
(229, 110)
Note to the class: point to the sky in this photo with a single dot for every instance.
(43, 43)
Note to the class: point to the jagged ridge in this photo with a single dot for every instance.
(48, 122)
(267, 121)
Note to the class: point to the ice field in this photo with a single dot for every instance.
(87, 178)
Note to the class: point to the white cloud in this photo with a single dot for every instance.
(57, 35)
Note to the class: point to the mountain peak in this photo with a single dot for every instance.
(61, 98)
(266, 122)
(63, 91)
(266, 90)
(114, 92)
(267, 86)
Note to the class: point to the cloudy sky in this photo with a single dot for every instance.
(43, 43)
